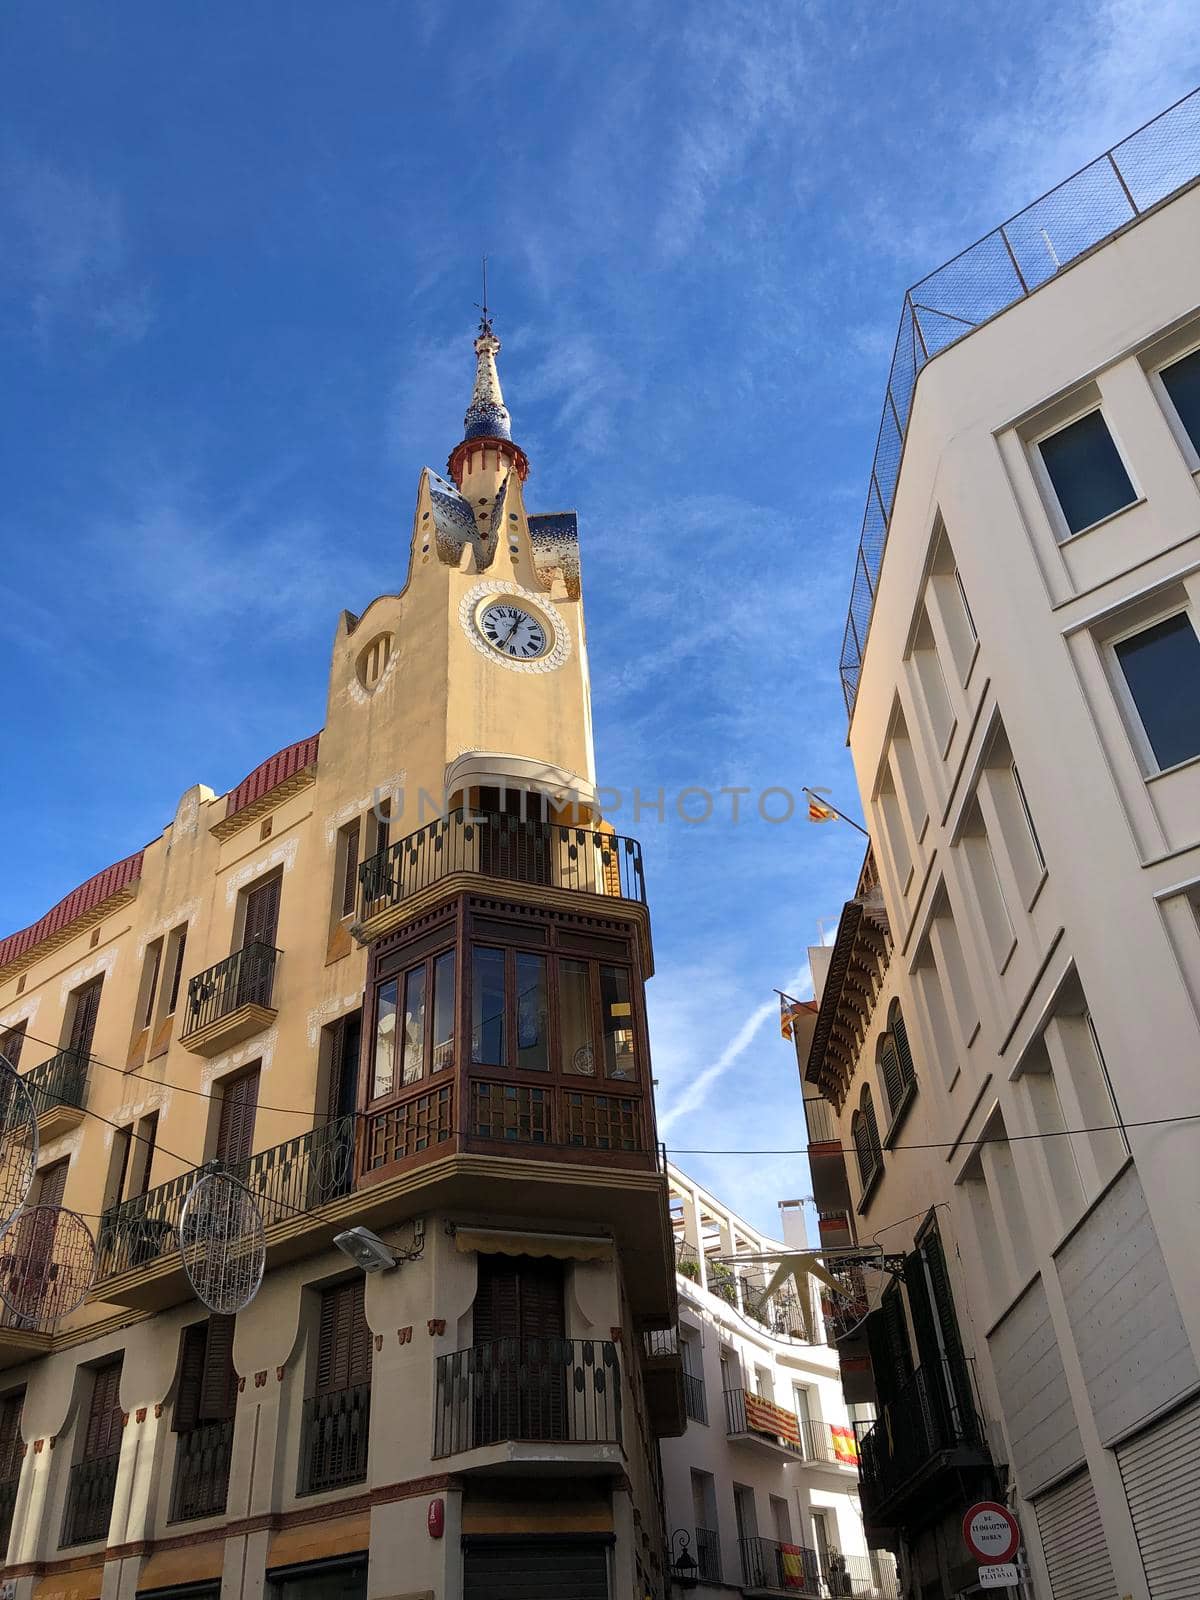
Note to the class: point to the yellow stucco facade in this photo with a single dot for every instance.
(205, 1000)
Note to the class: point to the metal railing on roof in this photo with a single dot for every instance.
(1000, 269)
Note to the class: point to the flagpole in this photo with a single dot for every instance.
(829, 806)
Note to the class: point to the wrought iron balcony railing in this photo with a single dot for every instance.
(798, 1570)
(246, 978)
(61, 1081)
(695, 1401)
(583, 860)
(661, 1341)
(708, 1555)
(90, 1491)
(747, 1413)
(532, 1390)
(201, 1483)
(334, 1436)
(934, 1412)
(291, 1178)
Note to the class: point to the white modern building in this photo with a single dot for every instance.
(1013, 1053)
(762, 1488)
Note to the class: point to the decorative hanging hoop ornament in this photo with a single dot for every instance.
(47, 1265)
(18, 1144)
(222, 1242)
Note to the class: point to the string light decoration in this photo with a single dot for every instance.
(47, 1265)
(222, 1242)
(18, 1144)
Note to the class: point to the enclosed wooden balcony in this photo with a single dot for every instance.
(231, 1000)
(663, 1380)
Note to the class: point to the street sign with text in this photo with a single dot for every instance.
(991, 1533)
(1000, 1576)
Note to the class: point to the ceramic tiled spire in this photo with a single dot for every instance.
(487, 416)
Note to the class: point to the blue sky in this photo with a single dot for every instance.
(240, 250)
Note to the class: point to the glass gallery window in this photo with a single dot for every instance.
(413, 1034)
(517, 994)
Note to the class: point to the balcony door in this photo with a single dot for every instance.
(260, 926)
(939, 1343)
(521, 1365)
(83, 1018)
(235, 1123)
(515, 840)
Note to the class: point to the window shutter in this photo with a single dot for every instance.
(218, 1385)
(52, 1183)
(860, 1134)
(103, 1435)
(186, 1413)
(344, 1340)
(235, 1130)
(895, 1332)
(10, 1436)
(262, 913)
(893, 1080)
(11, 1043)
(908, 1072)
(350, 877)
(541, 1291)
(83, 1022)
(872, 1127)
(497, 1308)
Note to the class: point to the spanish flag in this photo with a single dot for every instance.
(789, 1010)
(818, 811)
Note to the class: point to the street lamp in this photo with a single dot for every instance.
(684, 1570)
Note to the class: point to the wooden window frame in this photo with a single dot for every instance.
(399, 976)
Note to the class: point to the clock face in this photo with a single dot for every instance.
(512, 630)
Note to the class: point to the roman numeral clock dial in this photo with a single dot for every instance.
(514, 629)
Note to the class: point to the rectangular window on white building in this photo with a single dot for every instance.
(1086, 472)
(1159, 668)
(1181, 380)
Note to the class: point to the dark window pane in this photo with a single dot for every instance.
(575, 996)
(617, 1020)
(487, 1006)
(443, 1011)
(385, 1039)
(1162, 669)
(414, 1024)
(1181, 380)
(1088, 475)
(532, 1013)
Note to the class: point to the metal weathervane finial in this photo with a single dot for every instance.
(485, 316)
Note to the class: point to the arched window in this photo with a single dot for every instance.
(864, 1130)
(895, 1061)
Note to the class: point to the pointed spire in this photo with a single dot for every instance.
(487, 415)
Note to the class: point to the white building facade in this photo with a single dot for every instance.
(762, 1488)
(1024, 686)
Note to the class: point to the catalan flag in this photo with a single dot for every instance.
(818, 811)
(789, 1010)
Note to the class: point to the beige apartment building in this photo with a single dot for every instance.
(762, 1489)
(393, 979)
(1008, 1033)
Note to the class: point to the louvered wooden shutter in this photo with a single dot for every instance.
(11, 1043)
(103, 1435)
(262, 913)
(350, 878)
(895, 1332)
(541, 1293)
(235, 1131)
(191, 1376)
(908, 1072)
(83, 1022)
(52, 1183)
(11, 1446)
(218, 1385)
(343, 1065)
(344, 1340)
(147, 1136)
(893, 1082)
(497, 1309)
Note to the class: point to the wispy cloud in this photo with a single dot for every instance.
(67, 260)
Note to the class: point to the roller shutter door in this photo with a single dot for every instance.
(535, 1569)
(1161, 1473)
(1073, 1542)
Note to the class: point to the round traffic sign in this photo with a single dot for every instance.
(991, 1532)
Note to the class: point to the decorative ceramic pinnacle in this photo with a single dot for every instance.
(487, 416)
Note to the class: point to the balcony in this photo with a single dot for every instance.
(931, 1428)
(695, 1400)
(826, 1158)
(663, 1381)
(230, 1001)
(769, 1568)
(58, 1089)
(827, 1444)
(90, 1493)
(201, 1483)
(333, 1439)
(761, 1424)
(708, 1555)
(521, 1404)
(139, 1261)
(560, 862)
